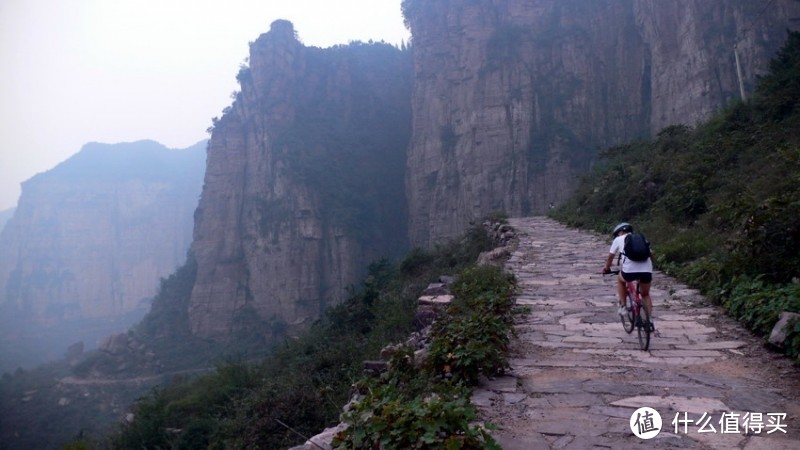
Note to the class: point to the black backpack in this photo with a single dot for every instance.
(637, 247)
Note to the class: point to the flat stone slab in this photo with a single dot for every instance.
(501, 384)
(716, 441)
(526, 302)
(435, 299)
(681, 317)
(607, 386)
(719, 381)
(592, 340)
(575, 400)
(572, 427)
(508, 440)
(538, 282)
(769, 443)
(719, 345)
(756, 400)
(686, 293)
(693, 405)
(536, 385)
(513, 398)
(483, 398)
(686, 353)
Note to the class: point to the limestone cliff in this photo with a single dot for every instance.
(304, 183)
(513, 98)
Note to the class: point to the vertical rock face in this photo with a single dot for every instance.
(512, 98)
(692, 48)
(304, 183)
(91, 237)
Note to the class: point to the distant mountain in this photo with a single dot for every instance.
(85, 249)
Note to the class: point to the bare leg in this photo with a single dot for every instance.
(622, 290)
(644, 289)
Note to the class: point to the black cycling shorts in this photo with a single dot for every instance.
(644, 277)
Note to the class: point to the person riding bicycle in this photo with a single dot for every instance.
(631, 270)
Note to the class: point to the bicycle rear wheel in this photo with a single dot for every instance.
(629, 318)
(643, 329)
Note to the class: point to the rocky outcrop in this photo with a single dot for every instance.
(513, 98)
(782, 328)
(304, 184)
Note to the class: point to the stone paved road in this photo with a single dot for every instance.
(577, 377)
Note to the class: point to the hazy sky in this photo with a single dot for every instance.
(78, 71)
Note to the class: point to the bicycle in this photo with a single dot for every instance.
(636, 316)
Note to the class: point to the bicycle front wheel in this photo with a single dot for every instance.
(629, 319)
(643, 329)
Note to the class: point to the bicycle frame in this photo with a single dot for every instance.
(633, 294)
(633, 319)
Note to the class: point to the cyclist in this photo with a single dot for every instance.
(631, 270)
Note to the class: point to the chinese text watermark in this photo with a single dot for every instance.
(646, 423)
(731, 423)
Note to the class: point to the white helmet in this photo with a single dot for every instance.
(624, 226)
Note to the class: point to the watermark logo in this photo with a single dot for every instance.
(732, 423)
(646, 423)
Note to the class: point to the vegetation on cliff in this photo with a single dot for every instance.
(719, 201)
(352, 152)
(302, 385)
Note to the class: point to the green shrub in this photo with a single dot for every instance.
(386, 418)
(792, 341)
(416, 262)
(429, 407)
(482, 281)
(474, 338)
(759, 304)
(718, 202)
(470, 345)
(410, 408)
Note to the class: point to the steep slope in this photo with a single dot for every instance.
(92, 236)
(304, 184)
(513, 98)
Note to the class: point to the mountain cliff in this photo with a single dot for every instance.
(304, 183)
(91, 237)
(513, 98)
(329, 158)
